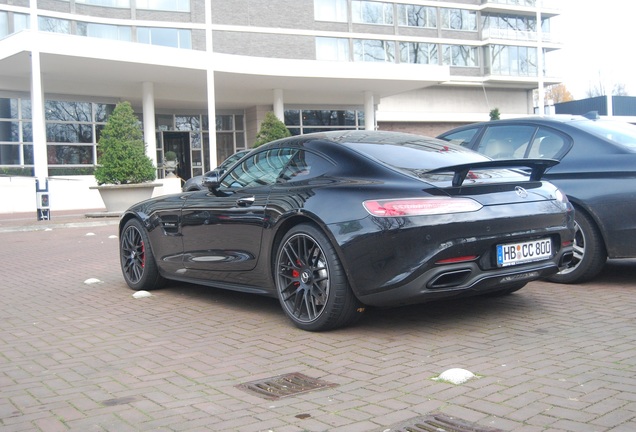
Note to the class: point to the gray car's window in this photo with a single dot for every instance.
(547, 145)
(260, 169)
(462, 138)
(506, 142)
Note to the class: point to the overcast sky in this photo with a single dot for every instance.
(599, 39)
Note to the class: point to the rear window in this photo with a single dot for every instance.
(620, 133)
(418, 154)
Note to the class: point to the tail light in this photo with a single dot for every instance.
(420, 206)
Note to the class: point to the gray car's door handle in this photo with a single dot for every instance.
(245, 201)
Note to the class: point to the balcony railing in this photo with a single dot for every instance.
(514, 2)
(520, 35)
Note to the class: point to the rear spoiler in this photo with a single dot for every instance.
(537, 166)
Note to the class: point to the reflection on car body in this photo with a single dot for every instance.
(333, 222)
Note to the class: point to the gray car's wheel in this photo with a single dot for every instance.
(137, 261)
(589, 252)
(311, 283)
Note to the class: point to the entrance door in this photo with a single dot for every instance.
(179, 142)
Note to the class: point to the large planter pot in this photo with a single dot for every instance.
(117, 198)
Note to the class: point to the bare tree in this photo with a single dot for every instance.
(603, 88)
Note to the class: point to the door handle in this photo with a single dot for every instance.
(245, 201)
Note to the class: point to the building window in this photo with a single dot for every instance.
(370, 12)
(72, 133)
(176, 38)
(54, 25)
(20, 22)
(104, 31)
(417, 16)
(187, 122)
(230, 135)
(513, 60)
(332, 49)
(459, 55)
(330, 10)
(459, 19)
(371, 50)
(4, 24)
(165, 5)
(107, 3)
(16, 136)
(415, 52)
(301, 122)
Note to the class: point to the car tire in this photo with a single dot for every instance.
(311, 283)
(589, 252)
(137, 260)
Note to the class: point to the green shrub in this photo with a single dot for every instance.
(121, 152)
(271, 129)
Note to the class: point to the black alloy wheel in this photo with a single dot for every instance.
(589, 252)
(137, 261)
(311, 283)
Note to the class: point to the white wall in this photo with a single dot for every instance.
(18, 194)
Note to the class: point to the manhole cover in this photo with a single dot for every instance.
(439, 423)
(284, 385)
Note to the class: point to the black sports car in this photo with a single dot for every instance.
(597, 171)
(332, 222)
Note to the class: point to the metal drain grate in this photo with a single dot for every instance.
(439, 423)
(284, 385)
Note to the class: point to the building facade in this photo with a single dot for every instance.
(420, 66)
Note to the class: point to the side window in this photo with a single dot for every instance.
(506, 142)
(305, 165)
(260, 169)
(462, 138)
(547, 145)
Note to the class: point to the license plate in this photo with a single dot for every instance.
(519, 253)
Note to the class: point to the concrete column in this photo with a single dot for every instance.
(210, 84)
(150, 136)
(540, 63)
(40, 160)
(279, 105)
(39, 123)
(369, 111)
(610, 102)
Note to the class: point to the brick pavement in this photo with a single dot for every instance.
(90, 357)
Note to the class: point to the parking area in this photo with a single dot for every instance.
(80, 353)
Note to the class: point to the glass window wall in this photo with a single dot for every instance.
(416, 52)
(371, 50)
(332, 49)
(460, 55)
(176, 38)
(165, 5)
(371, 12)
(104, 31)
(417, 16)
(307, 121)
(459, 19)
(107, 3)
(330, 10)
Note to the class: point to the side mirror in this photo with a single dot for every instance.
(211, 180)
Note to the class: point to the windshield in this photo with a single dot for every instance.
(618, 132)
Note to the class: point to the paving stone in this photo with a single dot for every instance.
(79, 357)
